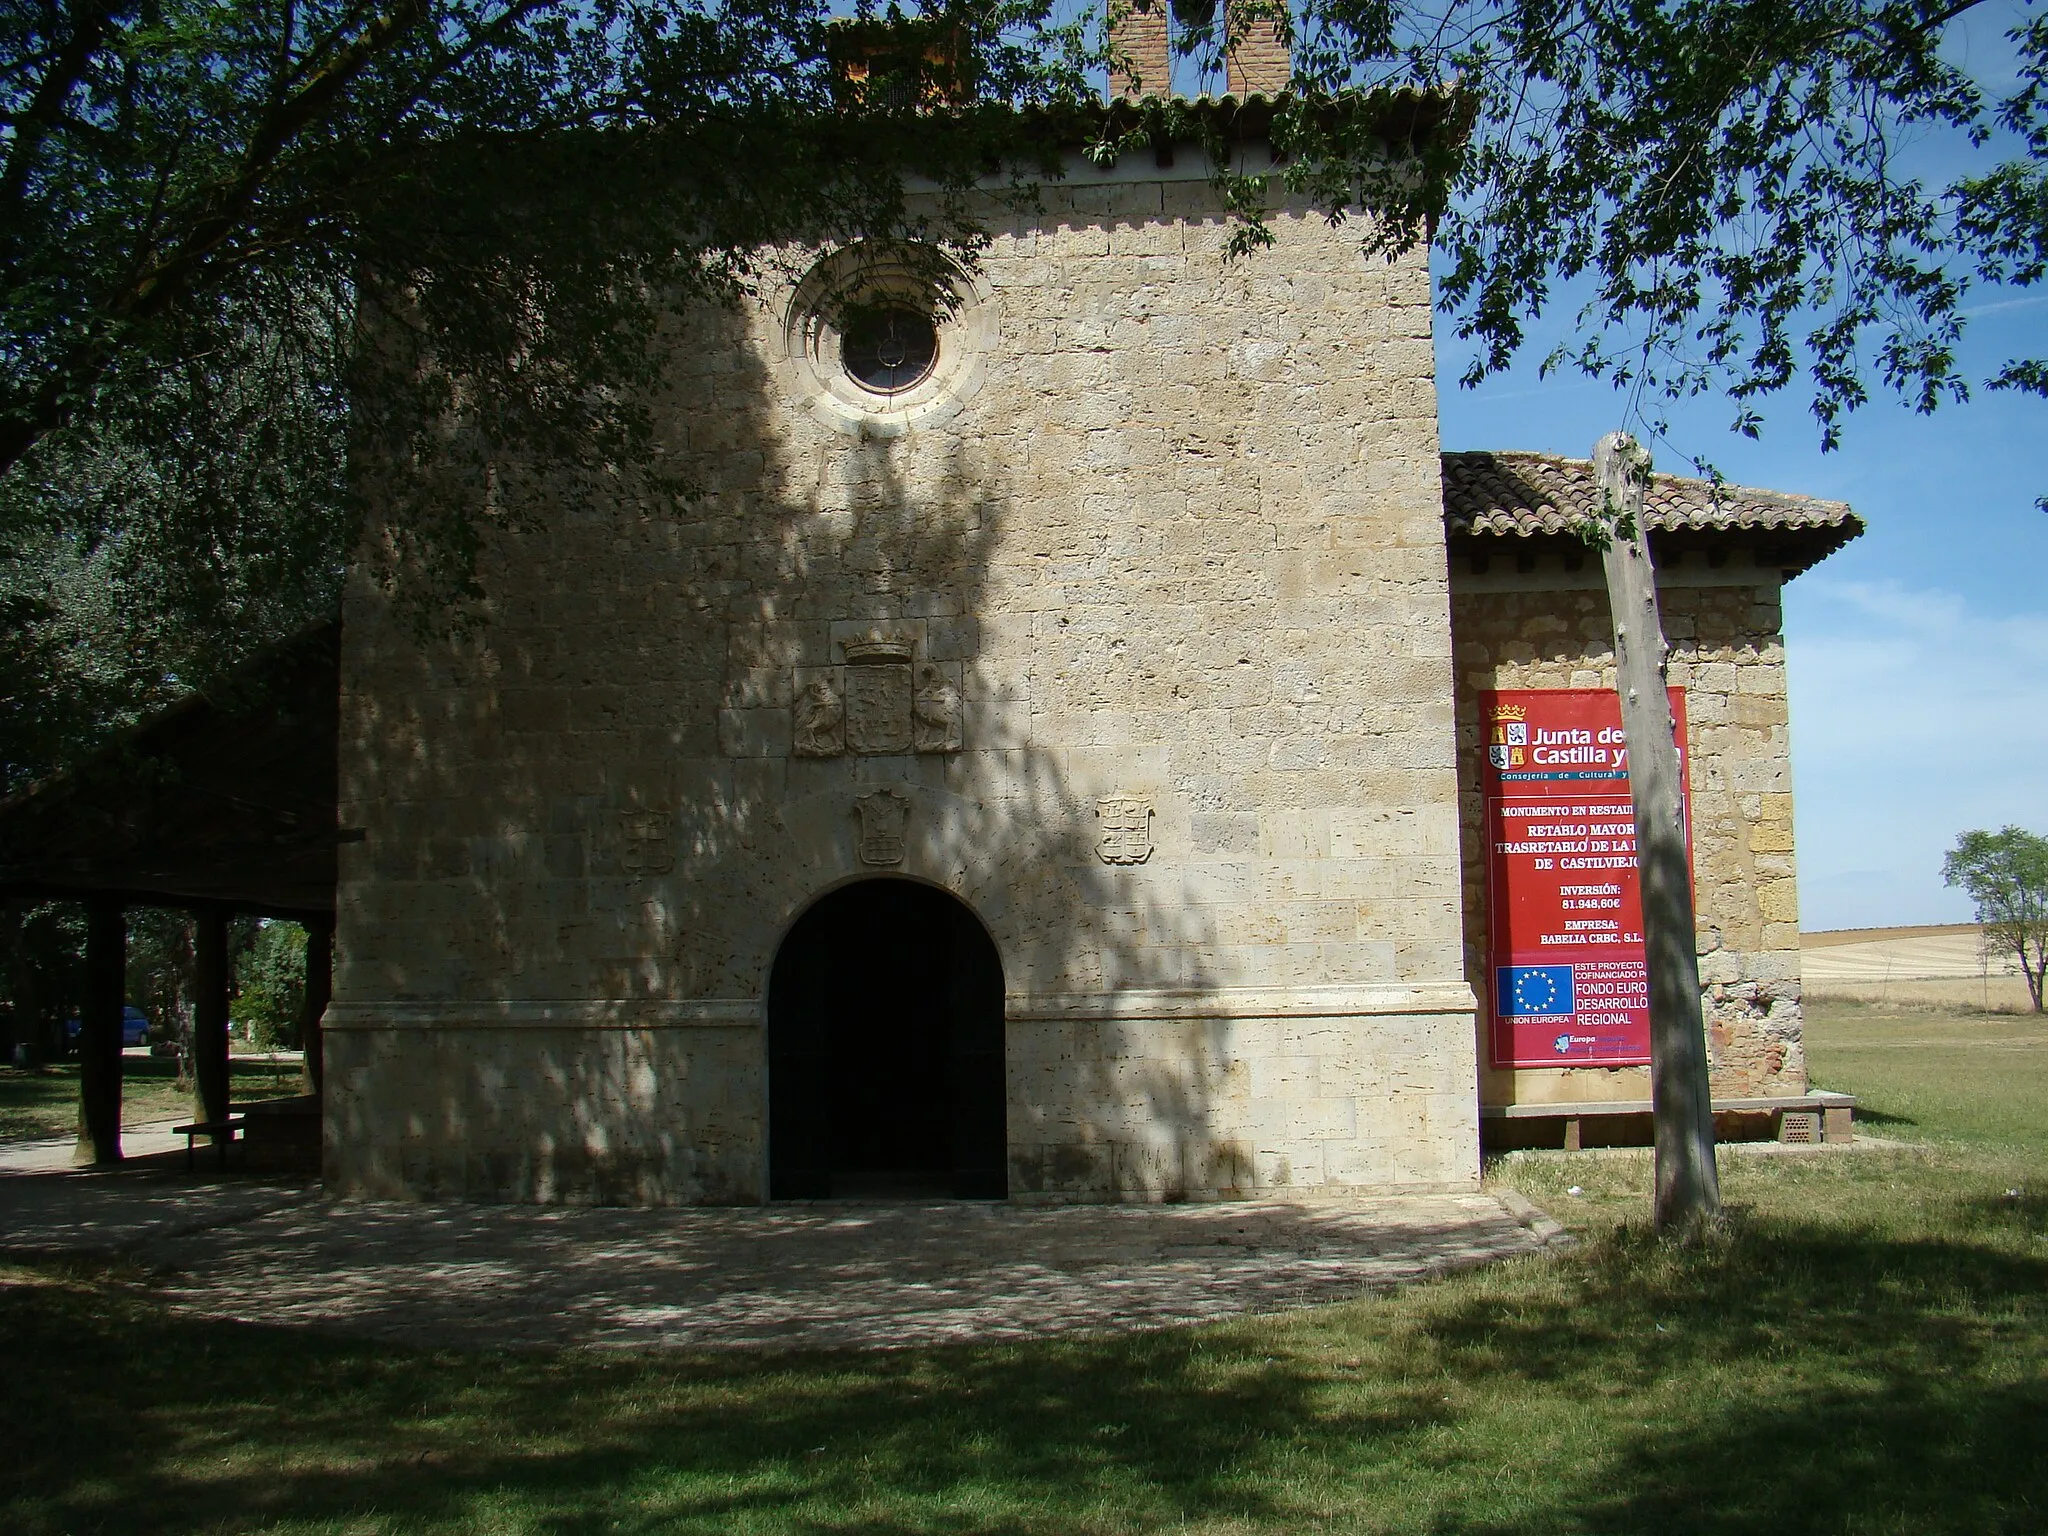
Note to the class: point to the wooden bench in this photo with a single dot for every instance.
(1805, 1118)
(222, 1132)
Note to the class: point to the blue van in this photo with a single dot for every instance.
(134, 1027)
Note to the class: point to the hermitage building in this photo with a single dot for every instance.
(1047, 762)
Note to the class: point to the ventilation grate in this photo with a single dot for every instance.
(1799, 1127)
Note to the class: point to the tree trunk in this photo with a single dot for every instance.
(210, 1014)
(99, 1032)
(319, 990)
(1681, 1103)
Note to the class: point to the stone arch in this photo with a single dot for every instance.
(960, 844)
(885, 1048)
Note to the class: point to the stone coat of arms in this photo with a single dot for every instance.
(884, 814)
(881, 701)
(646, 842)
(878, 709)
(1126, 830)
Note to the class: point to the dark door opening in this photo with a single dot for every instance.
(885, 1050)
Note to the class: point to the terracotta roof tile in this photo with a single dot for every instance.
(1528, 494)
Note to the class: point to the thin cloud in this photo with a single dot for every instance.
(1914, 717)
(2002, 304)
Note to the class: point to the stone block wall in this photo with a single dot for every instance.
(1550, 628)
(546, 1104)
(1165, 1107)
(1171, 561)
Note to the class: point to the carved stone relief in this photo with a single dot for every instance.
(884, 814)
(646, 842)
(878, 704)
(1126, 833)
(820, 714)
(936, 709)
(881, 702)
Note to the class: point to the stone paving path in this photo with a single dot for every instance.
(53, 1154)
(98, 1213)
(784, 1277)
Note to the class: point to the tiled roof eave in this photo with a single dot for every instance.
(1545, 497)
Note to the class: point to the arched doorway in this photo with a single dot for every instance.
(885, 1050)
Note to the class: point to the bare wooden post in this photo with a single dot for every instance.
(210, 1015)
(1681, 1103)
(319, 990)
(99, 1031)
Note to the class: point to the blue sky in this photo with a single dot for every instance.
(1919, 654)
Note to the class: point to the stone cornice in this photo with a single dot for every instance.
(746, 1013)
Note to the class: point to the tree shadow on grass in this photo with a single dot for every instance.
(157, 1423)
(1902, 1456)
(1795, 1378)
(2018, 1210)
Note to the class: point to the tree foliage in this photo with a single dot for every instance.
(258, 257)
(143, 557)
(1751, 193)
(270, 984)
(161, 972)
(2006, 874)
(175, 172)
(242, 241)
(42, 971)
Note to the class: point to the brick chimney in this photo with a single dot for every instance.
(1137, 30)
(1259, 61)
(900, 64)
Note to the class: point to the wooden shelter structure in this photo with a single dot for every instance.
(221, 803)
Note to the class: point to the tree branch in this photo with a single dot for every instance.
(46, 107)
(215, 226)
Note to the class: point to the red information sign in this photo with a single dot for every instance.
(1567, 979)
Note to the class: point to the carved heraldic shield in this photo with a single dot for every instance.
(1126, 829)
(646, 844)
(883, 816)
(878, 708)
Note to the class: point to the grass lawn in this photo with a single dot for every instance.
(43, 1101)
(1968, 1079)
(1864, 1353)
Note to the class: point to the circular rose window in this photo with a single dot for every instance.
(889, 349)
(880, 339)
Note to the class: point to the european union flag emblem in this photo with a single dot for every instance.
(1534, 990)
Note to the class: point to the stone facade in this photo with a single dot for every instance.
(1548, 627)
(1131, 629)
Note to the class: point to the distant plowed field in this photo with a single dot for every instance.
(1944, 965)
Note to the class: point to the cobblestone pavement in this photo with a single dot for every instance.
(805, 1276)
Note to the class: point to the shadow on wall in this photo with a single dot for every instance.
(593, 820)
